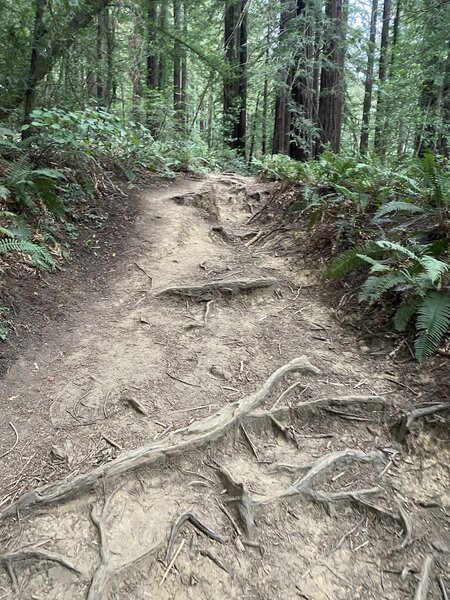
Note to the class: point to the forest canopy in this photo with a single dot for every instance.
(286, 76)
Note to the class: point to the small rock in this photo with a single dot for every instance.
(58, 453)
(218, 371)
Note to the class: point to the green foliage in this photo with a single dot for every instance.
(433, 322)
(98, 131)
(27, 185)
(398, 206)
(413, 273)
(353, 257)
(39, 256)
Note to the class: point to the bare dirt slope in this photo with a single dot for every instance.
(224, 441)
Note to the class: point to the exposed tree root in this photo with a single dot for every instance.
(424, 581)
(286, 411)
(303, 483)
(216, 560)
(239, 494)
(34, 553)
(405, 423)
(216, 287)
(183, 440)
(107, 569)
(195, 521)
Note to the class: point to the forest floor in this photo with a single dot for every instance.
(168, 435)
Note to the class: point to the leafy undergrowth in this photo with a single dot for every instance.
(53, 183)
(381, 231)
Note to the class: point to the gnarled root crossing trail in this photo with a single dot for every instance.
(204, 428)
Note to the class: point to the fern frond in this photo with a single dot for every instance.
(392, 246)
(40, 257)
(6, 231)
(397, 206)
(404, 314)
(433, 267)
(433, 322)
(376, 265)
(374, 287)
(349, 259)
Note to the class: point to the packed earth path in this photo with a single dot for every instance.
(203, 427)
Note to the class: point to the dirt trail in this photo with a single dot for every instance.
(314, 499)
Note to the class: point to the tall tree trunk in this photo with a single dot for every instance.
(265, 102)
(136, 75)
(35, 64)
(110, 89)
(302, 89)
(179, 65)
(331, 102)
(163, 67)
(282, 124)
(177, 60)
(235, 84)
(380, 142)
(368, 87)
(152, 57)
(444, 138)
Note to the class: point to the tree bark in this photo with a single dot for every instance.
(331, 102)
(163, 68)
(36, 59)
(368, 87)
(152, 57)
(235, 84)
(444, 138)
(302, 90)
(380, 142)
(282, 124)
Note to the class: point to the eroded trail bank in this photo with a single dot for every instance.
(203, 428)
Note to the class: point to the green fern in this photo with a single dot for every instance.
(433, 322)
(397, 206)
(434, 269)
(349, 259)
(40, 257)
(405, 313)
(374, 287)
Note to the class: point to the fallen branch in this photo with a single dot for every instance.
(216, 287)
(180, 441)
(172, 562)
(424, 580)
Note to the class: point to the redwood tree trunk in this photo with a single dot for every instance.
(152, 57)
(235, 84)
(382, 76)
(35, 64)
(368, 88)
(302, 91)
(331, 102)
(282, 125)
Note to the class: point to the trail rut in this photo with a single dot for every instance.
(259, 474)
